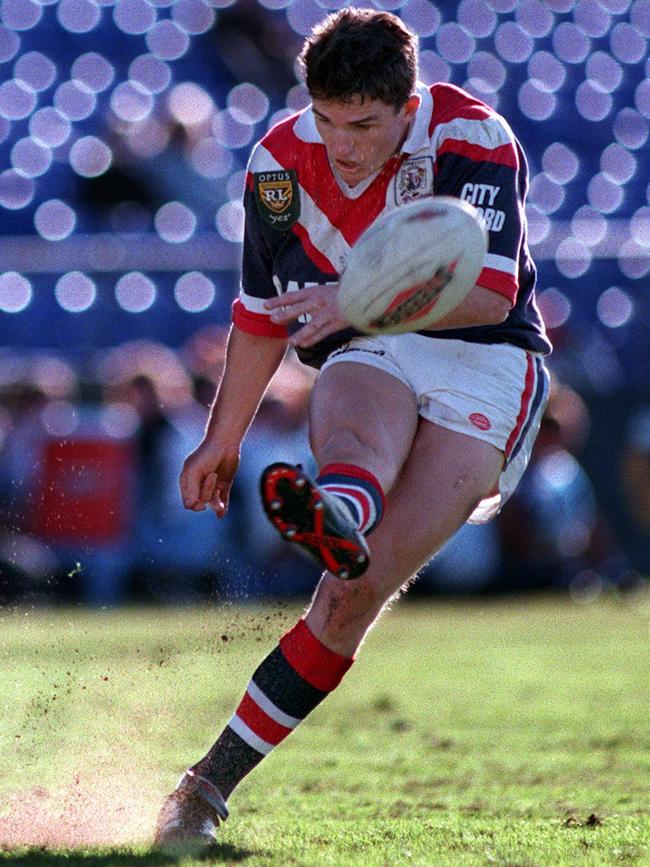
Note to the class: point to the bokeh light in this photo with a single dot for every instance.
(9, 44)
(572, 257)
(134, 17)
(90, 156)
(560, 163)
(74, 100)
(35, 70)
(54, 220)
(193, 16)
(546, 70)
(167, 41)
(604, 195)
(614, 307)
(477, 17)
(230, 221)
(535, 18)
(454, 43)
(17, 101)
(555, 307)
(194, 292)
(78, 16)
(151, 73)
(30, 158)
(131, 102)
(49, 127)
(94, 71)
(134, 292)
(15, 292)
(189, 103)
(175, 222)
(209, 159)
(422, 17)
(16, 190)
(248, 100)
(20, 14)
(75, 292)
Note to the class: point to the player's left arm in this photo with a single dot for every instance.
(480, 161)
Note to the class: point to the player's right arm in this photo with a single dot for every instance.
(208, 472)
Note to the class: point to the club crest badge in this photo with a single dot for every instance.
(414, 180)
(277, 198)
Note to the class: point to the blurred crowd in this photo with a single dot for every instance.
(90, 509)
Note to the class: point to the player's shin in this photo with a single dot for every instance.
(293, 679)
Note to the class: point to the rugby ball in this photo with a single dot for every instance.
(412, 266)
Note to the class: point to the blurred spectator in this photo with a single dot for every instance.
(554, 535)
(635, 479)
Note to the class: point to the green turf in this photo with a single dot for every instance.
(477, 733)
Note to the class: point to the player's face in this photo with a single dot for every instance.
(361, 135)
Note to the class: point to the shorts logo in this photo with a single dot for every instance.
(277, 198)
(482, 422)
(414, 180)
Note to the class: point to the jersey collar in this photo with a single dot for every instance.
(306, 130)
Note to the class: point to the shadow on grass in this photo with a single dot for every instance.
(223, 853)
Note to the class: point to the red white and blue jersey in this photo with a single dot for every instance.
(301, 220)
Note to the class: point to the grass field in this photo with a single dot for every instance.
(479, 733)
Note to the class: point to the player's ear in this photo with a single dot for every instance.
(411, 105)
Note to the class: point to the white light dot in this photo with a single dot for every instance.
(592, 103)
(604, 72)
(630, 129)
(297, 98)
(20, 14)
(640, 227)
(16, 191)
(189, 103)
(640, 17)
(454, 43)
(572, 258)
(74, 100)
(236, 185)
(487, 69)
(591, 18)
(15, 292)
(229, 130)
(536, 102)
(570, 44)
(230, 221)
(151, 73)
(302, 15)
(17, 101)
(604, 195)
(193, 16)
(560, 163)
(422, 17)
(588, 226)
(90, 156)
(94, 71)
(513, 43)
(546, 70)
(283, 113)
(60, 418)
(49, 127)
(54, 220)
(627, 44)
(35, 70)
(167, 41)
(535, 18)
(210, 160)
(614, 307)
(175, 222)
(9, 44)
(546, 194)
(554, 306)
(75, 292)
(134, 292)
(633, 260)
(618, 164)
(134, 17)
(78, 16)
(130, 103)
(642, 98)
(5, 129)
(477, 17)
(250, 101)
(433, 68)
(194, 292)
(30, 158)
(539, 224)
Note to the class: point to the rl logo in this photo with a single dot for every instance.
(277, 195)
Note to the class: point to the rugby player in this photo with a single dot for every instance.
(413, 434)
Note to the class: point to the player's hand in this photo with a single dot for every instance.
(207, 477)
(317, 302)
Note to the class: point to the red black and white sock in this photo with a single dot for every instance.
(358, 489)
(293, 679)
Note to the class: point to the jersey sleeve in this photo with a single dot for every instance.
(478, 159)
(248, 313)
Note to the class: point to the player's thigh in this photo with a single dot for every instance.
(360, 414)
(445, 475)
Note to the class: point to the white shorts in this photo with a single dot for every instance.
(494, 392)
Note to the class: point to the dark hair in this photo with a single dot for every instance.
(361, 52)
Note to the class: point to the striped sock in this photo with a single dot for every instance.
(358, 489)
(293, 679)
